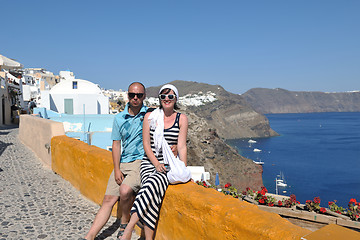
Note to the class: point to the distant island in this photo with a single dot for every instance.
(278, 100)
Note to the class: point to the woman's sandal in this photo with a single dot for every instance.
(122, 229)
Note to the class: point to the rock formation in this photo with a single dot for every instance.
(213, 121)
(206, 148)
(279, 100)
(230, 114)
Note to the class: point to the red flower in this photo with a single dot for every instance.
(337, 211)
(227, 185)
(316, 200)
(331, 203)
(271, 204)
(352, 201)
(280, 203)
(244, 193)
(322, 210)
(308, 201)
(297, 202)
(261, 201)
(247, 189)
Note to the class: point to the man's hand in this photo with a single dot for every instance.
(119, 177)
(174, 150)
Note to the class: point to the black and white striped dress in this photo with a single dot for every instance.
(153, 184)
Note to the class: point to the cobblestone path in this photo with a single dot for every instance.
(35, 203)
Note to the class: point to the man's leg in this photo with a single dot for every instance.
(127, 198)
(102, 216)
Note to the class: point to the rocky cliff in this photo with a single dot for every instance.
(229, 113)
(215, 115)
(206, 148)
(279, 100)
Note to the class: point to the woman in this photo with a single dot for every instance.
(153, 170)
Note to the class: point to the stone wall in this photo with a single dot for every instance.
(36, 133)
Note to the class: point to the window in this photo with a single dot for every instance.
(75, 85)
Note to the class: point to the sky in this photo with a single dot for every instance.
(304, 45)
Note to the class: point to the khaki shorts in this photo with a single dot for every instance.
(131, 173)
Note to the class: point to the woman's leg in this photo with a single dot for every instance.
(130, 227)
(149, 233)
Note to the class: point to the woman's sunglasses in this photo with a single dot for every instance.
(132, 95)
(170, 96)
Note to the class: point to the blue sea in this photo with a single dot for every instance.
(318, 154)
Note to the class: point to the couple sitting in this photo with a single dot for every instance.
(141, 161)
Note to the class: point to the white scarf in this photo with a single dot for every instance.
(178, 172)
(156, 120)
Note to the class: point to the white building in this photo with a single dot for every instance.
(66, 75)
(36, 80)
(71, 95)
(10, 90)
(115, 95)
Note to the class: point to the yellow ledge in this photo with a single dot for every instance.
(188, 211)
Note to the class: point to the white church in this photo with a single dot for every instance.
(75, 96)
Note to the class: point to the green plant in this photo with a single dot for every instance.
(354, 209)
(313, 205)
(289, 202)
(248, 192)
(204, 184)
(262, 199)
(230, 190)
(335, 208)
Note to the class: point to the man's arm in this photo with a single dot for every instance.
(116, 154)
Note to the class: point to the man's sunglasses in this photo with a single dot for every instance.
(163, 96)
(132, 95)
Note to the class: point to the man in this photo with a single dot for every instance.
(31, 106)
(124, 181)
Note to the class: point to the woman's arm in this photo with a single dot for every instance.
(147, 145)
(183, 124)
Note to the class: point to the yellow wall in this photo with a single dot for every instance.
(86, 167)
(188, 211)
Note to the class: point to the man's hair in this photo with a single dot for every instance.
(137, 83)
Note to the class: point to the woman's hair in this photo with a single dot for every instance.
(166, 91)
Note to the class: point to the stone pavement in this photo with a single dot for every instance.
(35, 203)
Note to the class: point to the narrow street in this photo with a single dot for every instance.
(35, 203)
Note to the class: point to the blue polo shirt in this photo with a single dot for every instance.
(128, 129)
